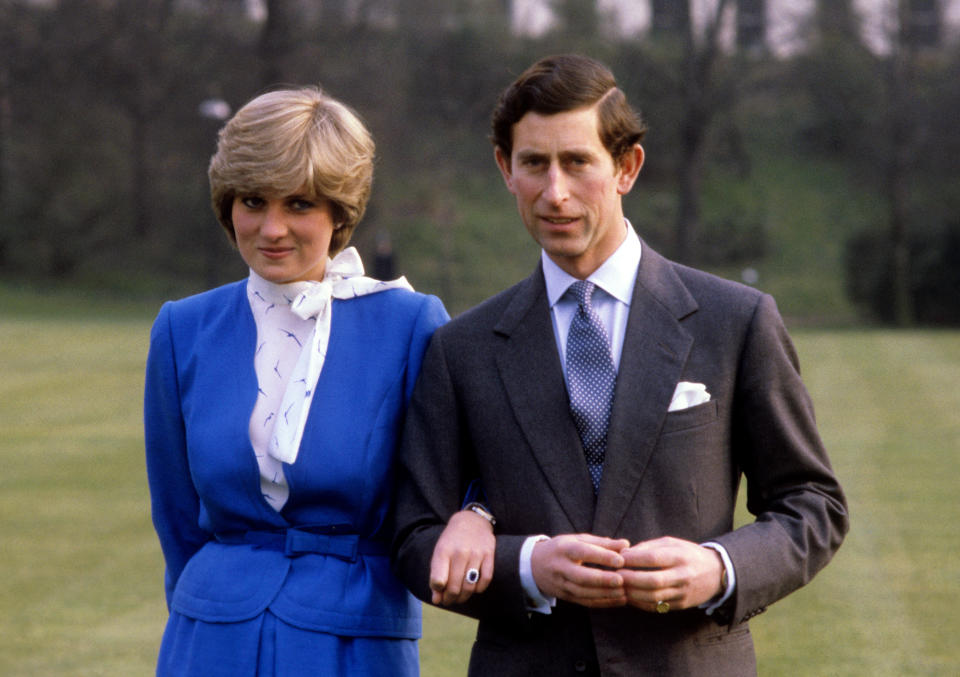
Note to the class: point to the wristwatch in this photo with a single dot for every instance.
(481, 510)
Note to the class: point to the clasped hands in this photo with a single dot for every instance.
(584, 569)
(599, 572)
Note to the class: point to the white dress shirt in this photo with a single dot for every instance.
(614, 281)
(280, 337)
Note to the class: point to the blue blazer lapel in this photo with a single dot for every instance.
(221, 362)
(533, 378)
(655, 350)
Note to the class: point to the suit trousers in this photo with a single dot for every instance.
(566, 637)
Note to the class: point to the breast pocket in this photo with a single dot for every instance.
(693, 417)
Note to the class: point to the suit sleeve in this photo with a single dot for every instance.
(436, 468)
(175, 506)
(800, 509)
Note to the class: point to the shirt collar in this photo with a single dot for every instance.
(281, 294)
(616, 276)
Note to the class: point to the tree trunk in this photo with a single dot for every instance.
(898, 177)
(699, 61)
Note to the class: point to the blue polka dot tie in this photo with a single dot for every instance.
(590, 379)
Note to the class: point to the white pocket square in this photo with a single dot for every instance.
(688, 395)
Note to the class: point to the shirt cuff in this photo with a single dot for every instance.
(715, 603)
(534, 598)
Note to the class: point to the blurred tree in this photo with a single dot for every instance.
(703, 91)
(901, 129)
(898, 138)
(278, 41)
(8, 44)
(840, 76)
(103, 151)
(578, 24)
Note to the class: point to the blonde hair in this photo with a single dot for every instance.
(294, 141)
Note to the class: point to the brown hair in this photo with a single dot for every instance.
(292, 140)
(557, 84)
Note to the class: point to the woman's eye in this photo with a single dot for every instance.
(300, 205)
(252, 201)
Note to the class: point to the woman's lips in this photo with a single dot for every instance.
(275, 252)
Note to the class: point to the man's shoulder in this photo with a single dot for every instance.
(483, 317)
(701, 282)
(713, 293)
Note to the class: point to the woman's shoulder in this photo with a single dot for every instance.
(396, 314)
(401, 302)
(205, 306)
(211, 296)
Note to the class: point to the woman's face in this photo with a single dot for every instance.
(285, 239)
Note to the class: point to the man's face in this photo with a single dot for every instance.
(568, 187)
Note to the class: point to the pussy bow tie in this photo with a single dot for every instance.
(343, 279)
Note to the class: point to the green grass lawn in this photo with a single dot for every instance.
(81, 574)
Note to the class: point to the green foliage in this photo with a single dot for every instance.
(82, 584)
(934, 275)
(103, 152)
(842, 114)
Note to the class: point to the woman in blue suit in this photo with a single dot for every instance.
(272, 410)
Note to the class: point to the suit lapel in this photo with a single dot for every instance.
(655, 350)
(532, 376)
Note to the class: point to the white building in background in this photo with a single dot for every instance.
(783, 27)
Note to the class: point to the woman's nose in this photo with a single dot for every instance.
(273, 223)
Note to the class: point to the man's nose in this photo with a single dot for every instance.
(555, 191)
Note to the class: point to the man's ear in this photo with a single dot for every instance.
(629, 168)
(503, 163)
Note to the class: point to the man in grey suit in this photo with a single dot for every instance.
(609, 425)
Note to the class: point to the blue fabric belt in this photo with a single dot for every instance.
(296, 542)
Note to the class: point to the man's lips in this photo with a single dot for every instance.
(558, 221)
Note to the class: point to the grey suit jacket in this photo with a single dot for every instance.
(491, 403)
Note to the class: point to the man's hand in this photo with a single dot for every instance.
(580, 568)
(682, 573)
(467, 542)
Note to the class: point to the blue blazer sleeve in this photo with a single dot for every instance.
(175, 505)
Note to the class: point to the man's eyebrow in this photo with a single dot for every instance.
(565, 154)
(577, 153)
(527, 153)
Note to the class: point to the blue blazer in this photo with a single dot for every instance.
(222, 564)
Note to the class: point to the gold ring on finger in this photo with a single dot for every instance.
(662, 607)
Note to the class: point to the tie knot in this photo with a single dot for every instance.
(583, 292)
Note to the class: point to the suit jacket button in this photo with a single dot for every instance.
(580, 666)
